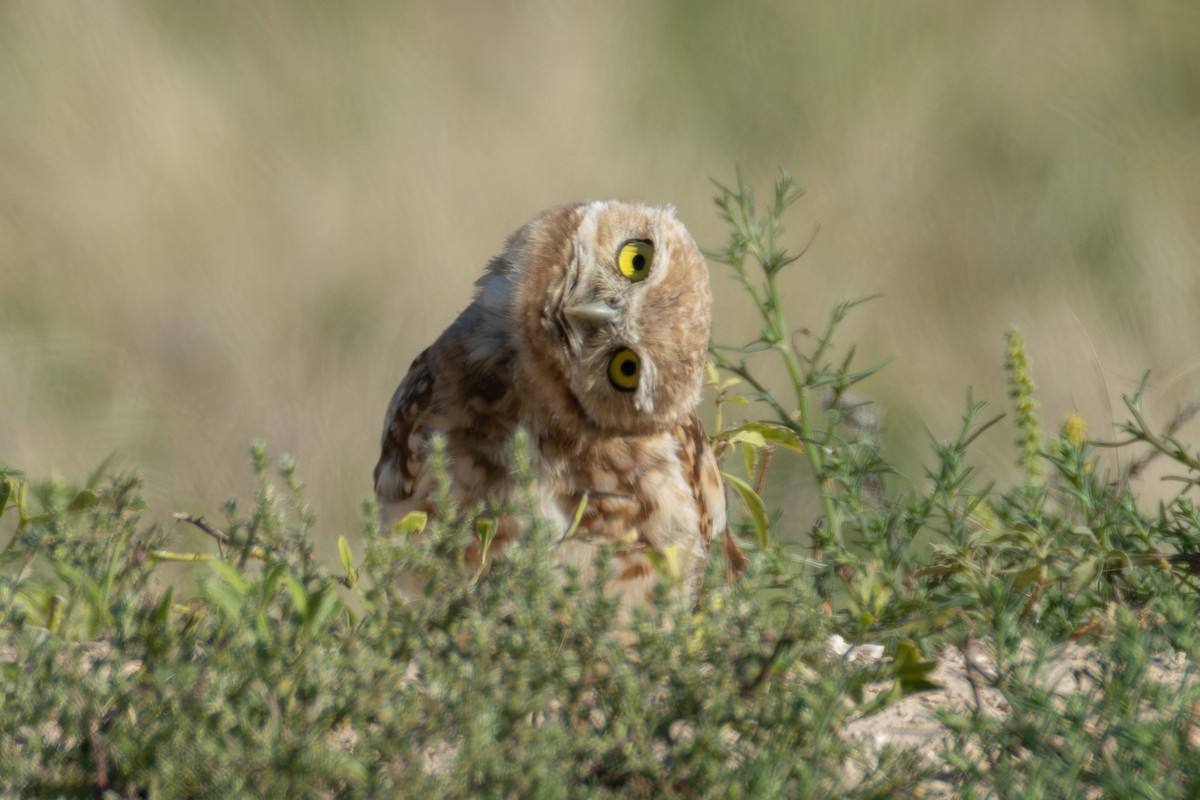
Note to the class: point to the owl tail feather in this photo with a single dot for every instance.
(735, 560)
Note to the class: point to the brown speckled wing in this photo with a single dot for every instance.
(708, 489)
(401, 460)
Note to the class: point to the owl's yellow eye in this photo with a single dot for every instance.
(623, 370)
(634, 259)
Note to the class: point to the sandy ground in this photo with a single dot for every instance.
(912, 721)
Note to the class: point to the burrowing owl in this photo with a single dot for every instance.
(591, 332)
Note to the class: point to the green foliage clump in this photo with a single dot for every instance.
(260, 672)
(277, 677)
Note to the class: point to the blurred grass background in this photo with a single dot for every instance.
(225, 221)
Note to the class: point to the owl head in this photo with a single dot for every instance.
(609, 307)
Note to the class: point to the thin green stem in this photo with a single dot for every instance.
(167, 555)
(783, 344)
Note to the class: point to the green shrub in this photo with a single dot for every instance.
(262, 673)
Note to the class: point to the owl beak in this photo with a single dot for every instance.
(595, 311)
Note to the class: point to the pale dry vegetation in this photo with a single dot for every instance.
(223, 223)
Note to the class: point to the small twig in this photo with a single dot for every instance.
(1138, 465)
(100, 754)
(201, 523)
(973, 669)
(965, 647)
(781, 644)
(1160, 447)
(763, 465)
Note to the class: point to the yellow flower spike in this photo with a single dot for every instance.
(1020, 389)
(1074, 429)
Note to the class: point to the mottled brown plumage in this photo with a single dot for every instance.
(590, 331)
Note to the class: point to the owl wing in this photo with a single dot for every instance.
(400, 473)
(709, 492)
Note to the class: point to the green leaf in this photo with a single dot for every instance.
(298, 594)
(750, 460)
(1084, 574)
(573, 528)
(910, 675)
(746, 437)
(413, 522)
(758, 434)
(227, 598)
(232, 576)
(324, 604)
(754, 505)
(161, 613)
(269, 580)
(1029, 575)
(84, 501)
(485, 531)
(314, 608)
(913, 673)
(347, 559)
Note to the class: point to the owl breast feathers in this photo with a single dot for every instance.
(590, 331)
